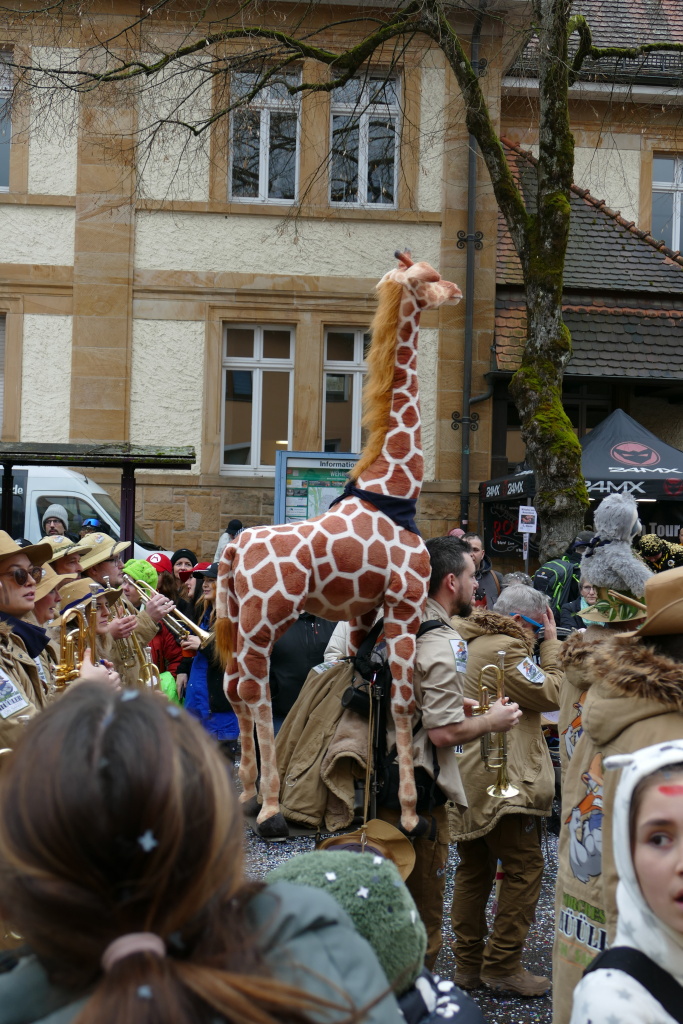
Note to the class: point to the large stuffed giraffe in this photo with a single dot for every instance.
(363, 554)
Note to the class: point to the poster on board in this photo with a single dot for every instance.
(306, 483)
(527, 519)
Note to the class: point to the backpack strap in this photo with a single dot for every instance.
(658, 982)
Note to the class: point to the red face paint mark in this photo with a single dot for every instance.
(671, 790)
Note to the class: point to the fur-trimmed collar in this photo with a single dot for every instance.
(487, 623)
(578, 649)
(630, 669)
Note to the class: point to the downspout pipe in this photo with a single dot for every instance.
(472, 242)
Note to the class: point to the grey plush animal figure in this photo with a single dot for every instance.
(609, 560)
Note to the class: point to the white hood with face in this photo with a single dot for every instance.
(608, 994)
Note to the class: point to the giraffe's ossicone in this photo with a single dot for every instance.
(364, 554)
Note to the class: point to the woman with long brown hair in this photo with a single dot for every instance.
(121, 867)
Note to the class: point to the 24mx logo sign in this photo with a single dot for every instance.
(610, 487)
(633, 453)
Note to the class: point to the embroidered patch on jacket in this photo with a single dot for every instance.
(11, 700)
(532, 672)
(459, 648)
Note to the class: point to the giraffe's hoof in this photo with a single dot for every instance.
(274, 827)
(251, 807)
(425, 829)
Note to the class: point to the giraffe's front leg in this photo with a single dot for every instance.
(359, 629)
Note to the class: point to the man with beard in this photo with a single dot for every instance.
(491, 828)
(440, 721)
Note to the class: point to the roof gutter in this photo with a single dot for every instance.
(649, 94)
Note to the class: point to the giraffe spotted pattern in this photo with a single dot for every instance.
(342, 565)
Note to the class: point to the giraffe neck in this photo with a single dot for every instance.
(398, 470)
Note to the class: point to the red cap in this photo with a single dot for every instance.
(200, 566)
(161, 562)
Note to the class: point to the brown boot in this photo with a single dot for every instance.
(466, 978)
(521, 983)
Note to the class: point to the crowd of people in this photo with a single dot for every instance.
(123, 895)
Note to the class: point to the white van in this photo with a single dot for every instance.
(36, 487)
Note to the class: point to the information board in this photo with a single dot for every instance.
(306, 482)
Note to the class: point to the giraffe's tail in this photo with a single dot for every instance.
(225, 630)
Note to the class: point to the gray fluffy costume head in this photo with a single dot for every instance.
(373, 894)
(609, 560)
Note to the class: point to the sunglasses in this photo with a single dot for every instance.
(22, 576)
(537, 626)
(92, 522)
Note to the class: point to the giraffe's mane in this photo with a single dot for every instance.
(379, 382)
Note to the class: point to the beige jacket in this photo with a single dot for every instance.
(303, 742)
(635, 698)
(529, 766)
(22, 692)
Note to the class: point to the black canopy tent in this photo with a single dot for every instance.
(124, 456)
(619, 456)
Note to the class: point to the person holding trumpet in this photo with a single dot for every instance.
(140, 581)
(499, 654)
(98, 664)
(104, 565)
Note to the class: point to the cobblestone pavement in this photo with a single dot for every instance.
(262, 857)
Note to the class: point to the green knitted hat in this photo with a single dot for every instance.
(140, 570)
(374, 896)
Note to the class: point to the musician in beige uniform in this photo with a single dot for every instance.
(104, 565)
(492, 828)
(45, 610)
(66, 554)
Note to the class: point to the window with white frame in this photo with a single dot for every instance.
(365, 142)
(258, 365)
(667, 199)
(344, 370)
(5, 121)
(264, 140)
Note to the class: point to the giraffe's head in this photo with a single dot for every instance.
(423, 282)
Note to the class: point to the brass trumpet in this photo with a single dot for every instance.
(179, 624)
(494, 751)
(134, 652)
(73, 642)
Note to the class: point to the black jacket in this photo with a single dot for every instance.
(293, 657)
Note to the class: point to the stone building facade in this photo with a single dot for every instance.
(125, 265)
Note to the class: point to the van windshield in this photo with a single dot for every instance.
(141, 536)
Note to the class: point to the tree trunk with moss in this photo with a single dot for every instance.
(552, 447)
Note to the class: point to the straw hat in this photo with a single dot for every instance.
(62, 546)
(102, 548)
(37, 554)
(377, 836)
(663, 608)
(50, 581)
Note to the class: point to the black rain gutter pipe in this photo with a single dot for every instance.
(471, 242)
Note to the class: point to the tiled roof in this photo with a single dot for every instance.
(607, 341)
(602, 246)
(623, 23)
(623, 292)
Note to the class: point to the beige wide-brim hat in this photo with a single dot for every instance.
(663, 608)
(37, 554)
(51, 581)
(62, 546)
(79, 591)
(380, 837)
(102, 547)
